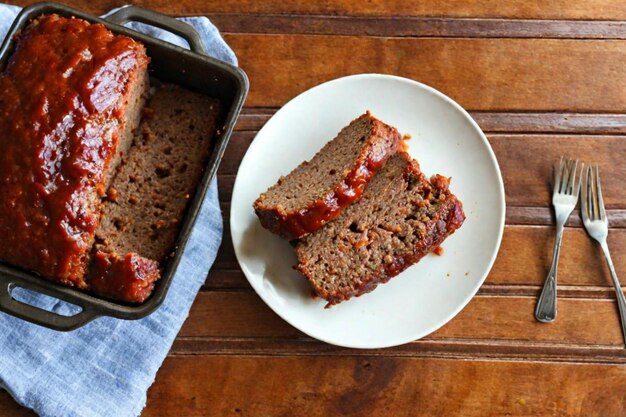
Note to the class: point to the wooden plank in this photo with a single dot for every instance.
(543, 216)
(481, 74)
(526, 253)
(382, 386)
(426, 348)
(234, 279)
(228, 279)
(526, 163)
(580, 322)
(533, 9)
(253, 118)
(403, 26)
(226, 259)
(524, 259)
(9, 408)
(235, 150)
(247, 316)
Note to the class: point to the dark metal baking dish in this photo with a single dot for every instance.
(188, 68)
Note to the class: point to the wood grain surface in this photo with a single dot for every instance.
(480, 74)
(542, 79)
(383, 386)
(516, 9)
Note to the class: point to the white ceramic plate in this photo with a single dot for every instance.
(445, 140)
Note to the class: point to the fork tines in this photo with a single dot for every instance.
(565, 178)
(592, 202)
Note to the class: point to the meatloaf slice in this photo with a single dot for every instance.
(317, 190)
(399, 219)
(70, 96)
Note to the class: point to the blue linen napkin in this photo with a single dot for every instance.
(105, 368)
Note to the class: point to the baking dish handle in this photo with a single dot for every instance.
(33, 314)
(131, 13)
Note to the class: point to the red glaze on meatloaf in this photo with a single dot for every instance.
(63, 96)
(400, 218)
(129, 278)
(373, 142)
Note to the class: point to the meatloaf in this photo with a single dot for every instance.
(70, 97)
(318, 190)
(400, 218)
(148, 196)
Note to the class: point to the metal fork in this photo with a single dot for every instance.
(564, 198)
(597, 225)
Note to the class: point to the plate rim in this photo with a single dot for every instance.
(501, 224)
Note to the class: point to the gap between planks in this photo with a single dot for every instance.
(243, 315)
(253, 118)
(423, 27)
(579, 292)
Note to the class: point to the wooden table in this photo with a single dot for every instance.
(542, 80)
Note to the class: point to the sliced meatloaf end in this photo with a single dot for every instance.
(147, 200)
(400, 218)
(129, 277)
(316, 191)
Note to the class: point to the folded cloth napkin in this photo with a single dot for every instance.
(105, 368)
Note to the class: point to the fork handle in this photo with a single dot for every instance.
(621, 300)
(545, 311)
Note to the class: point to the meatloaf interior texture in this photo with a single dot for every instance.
(400, 218)
(317, 190)
(70, 97)
(92, 192)
(147, 199)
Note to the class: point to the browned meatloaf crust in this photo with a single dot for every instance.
(70, 96)
(148, 197)
(400, 218)
(316, 191)
(129, 277)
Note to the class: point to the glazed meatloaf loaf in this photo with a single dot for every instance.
(400, 218)
(90, 200)
(70, 96)
(317, 190)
